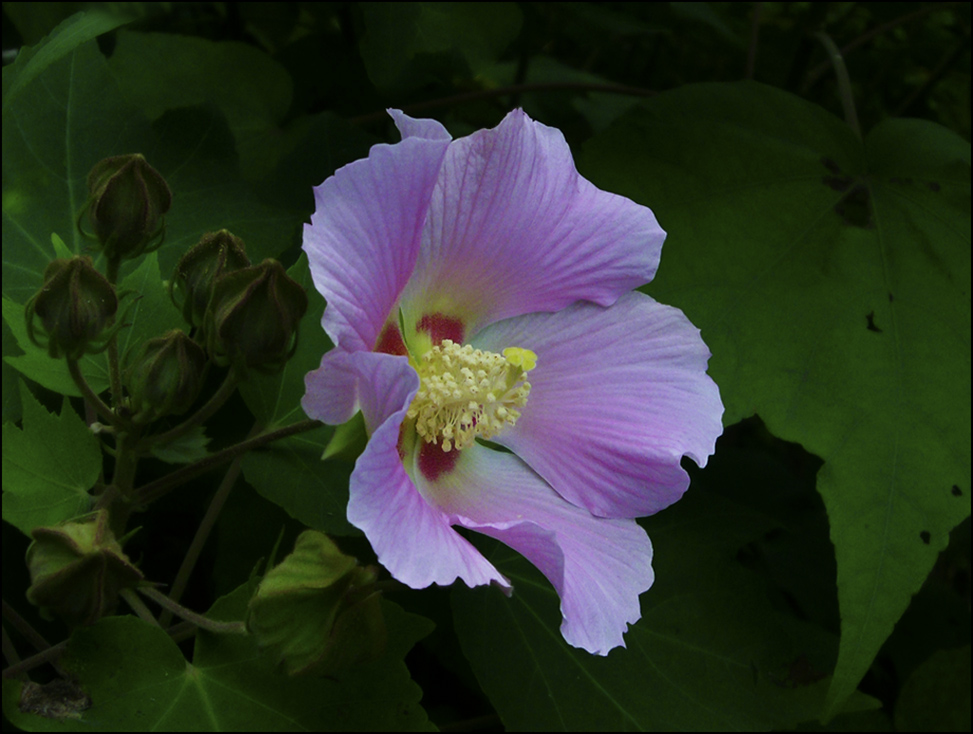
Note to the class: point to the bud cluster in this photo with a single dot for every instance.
(238, 315)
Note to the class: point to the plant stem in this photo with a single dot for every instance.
(202, 533)
(236, 628)
(89, 395)
(844, 82)
(47, 656)
(162, 486)
(9, 651)
(24, 627)
(926, 9)
(114, 369)
(212, 405)
(138, 606)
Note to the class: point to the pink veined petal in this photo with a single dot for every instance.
(412, 539)
(513, 228)
(364, 235)
(598, 566)
(347, 382)
(419, 128)
(618, 397)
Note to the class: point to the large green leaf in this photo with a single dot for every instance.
(138, 680)
(711, 652)
(48, 466)
(159, 72)
(396, 33)
(830, 278)
(67, 36)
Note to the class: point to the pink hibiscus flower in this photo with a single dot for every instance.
(481, 289)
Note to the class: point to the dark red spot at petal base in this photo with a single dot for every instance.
(434, 462)
(390, 341)
(440, 327)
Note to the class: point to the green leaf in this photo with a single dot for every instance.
(48, 466)
(830, 279)
(62, 122)
(138, 680)
(290, 474)
(396, 33)
(160, 72)
(936, 697)
(69, 34)
(186, 449)
(711, 652)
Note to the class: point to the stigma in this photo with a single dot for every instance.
(467, 393)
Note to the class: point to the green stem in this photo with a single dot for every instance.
(24, 627)
(114, 369)
(160, 487)
(237, 628)
(202, 533)
(927, 8)
(200, 416)
(89, 395)
(844, 82)
(138, 606)
(9, 651)
(50, 655)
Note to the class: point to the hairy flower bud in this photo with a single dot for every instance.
(74, 306)
(127, 203)
(318, 611)
(77, 569)
(166, 377)
(253, 317)
(216, 254)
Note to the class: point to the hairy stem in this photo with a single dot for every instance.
(236, 628)
(202, 533)
(844, 82)
(114, 368)
(138, 606)
(91, 398)
(200, 416)
(24, 627)
(162, 486)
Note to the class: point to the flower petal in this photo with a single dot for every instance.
(412, 539)
(598, 566)
(419, 128)
(513, 228)
(364, 235)
(618, 397)
(347, 382)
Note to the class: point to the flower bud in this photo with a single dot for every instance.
(253, 317)
(215, 254)
(166, 377)
(317, 611)
(127, 203)
(77, 569)
(75, 305)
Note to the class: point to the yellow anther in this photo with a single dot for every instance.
(467, 392)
